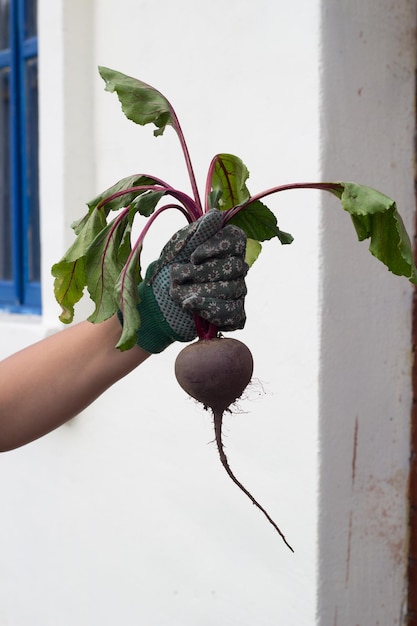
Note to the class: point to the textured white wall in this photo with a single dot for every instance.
(125, 515)
(368, 122)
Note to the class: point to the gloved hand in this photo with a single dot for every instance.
(200, 270)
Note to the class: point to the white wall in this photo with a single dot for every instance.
(125, 515)
(368, 122)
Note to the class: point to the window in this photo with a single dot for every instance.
(19, 197)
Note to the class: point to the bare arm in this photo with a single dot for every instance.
(48, 383)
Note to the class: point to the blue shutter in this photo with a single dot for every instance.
(19, 212)
(7, 284)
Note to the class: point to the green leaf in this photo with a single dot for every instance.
(110, 200)
(228, 182)
(146, 204)
(214, 198)
(259, 223)
(87, 229)
(128, 296)
(69, 283)
(375, 216)
(140, 102)
(253, 250)
(79, 224)
(105, 259)
(70, 271)
(229, 190)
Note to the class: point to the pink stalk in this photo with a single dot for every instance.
(188, 202)
(138, 243)
(205, 330)
(332, 187)
(190, 169)
(209, 181)
(153, 217)
(117, 194)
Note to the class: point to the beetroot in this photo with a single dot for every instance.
(216, 372)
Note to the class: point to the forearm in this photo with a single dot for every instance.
(48, 383)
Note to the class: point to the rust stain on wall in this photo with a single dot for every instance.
(350, 528)
(384, 498)
(377, 501)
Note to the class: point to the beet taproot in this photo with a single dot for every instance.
(216, 372)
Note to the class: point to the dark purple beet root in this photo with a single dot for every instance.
(216, 372)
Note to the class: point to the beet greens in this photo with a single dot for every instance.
(106, 260)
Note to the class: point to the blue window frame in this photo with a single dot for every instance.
(19, 188)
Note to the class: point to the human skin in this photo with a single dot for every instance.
(39, 392)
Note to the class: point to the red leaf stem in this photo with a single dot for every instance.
(205, 329)
(332, 187)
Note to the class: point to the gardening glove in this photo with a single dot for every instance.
(200, 270)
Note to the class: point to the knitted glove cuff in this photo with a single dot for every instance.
(154, 334)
